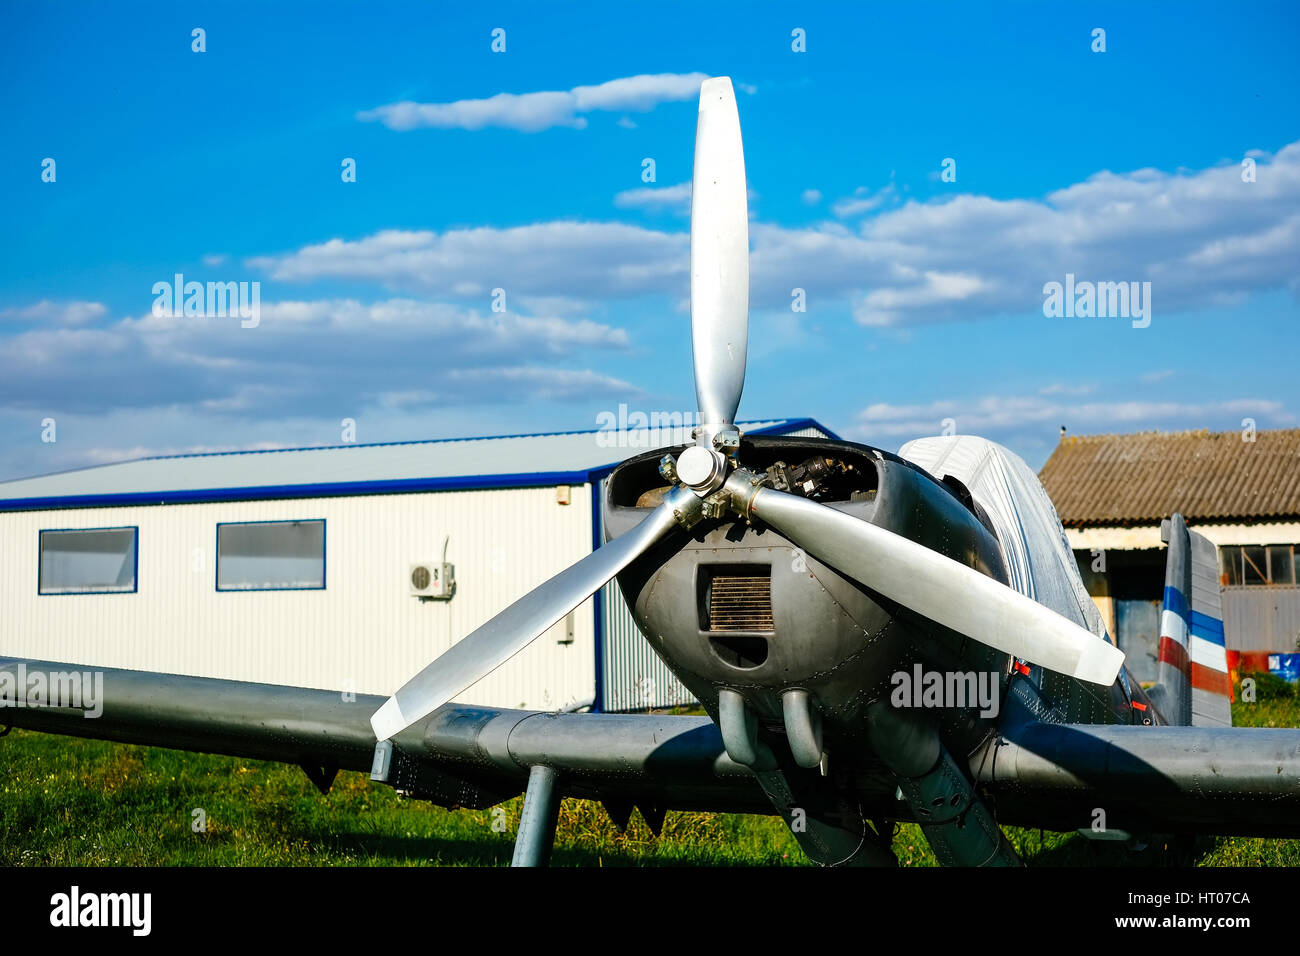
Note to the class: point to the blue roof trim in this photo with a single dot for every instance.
(299, 448)
(338, 489)
(783, 425)
(323, 490)
(350, 445)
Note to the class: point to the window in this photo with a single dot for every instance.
(1254, 565)
(87, 561)
(1230, 566)
(1260, 565)
(271, 556)
(1279, 564)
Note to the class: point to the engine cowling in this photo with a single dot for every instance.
(728, 605)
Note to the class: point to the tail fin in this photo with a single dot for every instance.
(1194, 688)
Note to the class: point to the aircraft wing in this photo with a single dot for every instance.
(1213, 780)
(459, 756)
(1057, 776)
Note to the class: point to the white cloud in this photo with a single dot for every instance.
(640, 93)
(595, 260)
(306, 354)
(812, 197)
(862, 201)
(1011, 417)
(885, 306)
(532, 112)
(1201, 238)
(559, 305)
(1062, 388)
(47, 312)
(543, 384)
(675, 199)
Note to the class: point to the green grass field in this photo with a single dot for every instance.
(74, 802)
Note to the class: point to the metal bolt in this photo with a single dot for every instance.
(728, 439)
(713, 508)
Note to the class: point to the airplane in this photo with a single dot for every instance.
(875, 638)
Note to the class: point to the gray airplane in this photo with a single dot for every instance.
(875, 638)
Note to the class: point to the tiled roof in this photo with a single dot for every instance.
(1144, 477)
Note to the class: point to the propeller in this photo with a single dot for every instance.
(719, 259)
(939, 588)
(504, 636)
(720, 332)
(935, 586)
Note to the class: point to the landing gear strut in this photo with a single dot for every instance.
(537, 820)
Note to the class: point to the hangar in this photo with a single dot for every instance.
(346, 568)
(1239, 489)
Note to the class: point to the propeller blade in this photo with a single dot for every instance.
(938, 588)
(505, 635)
(719, 256)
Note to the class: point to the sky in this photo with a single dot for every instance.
(507, 260)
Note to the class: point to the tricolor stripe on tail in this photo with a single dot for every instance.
(1192, 667)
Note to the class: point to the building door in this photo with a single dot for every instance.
(1137, 626)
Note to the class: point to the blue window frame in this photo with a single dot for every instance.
(271, 555)
(87, 560)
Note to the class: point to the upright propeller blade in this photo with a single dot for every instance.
(505, 635)
(940, 588)
(720, 332)
(719, 257)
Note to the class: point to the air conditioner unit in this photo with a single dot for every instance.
(432, 579)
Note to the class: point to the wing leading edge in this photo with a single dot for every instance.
(457, 756)
(1211, 780)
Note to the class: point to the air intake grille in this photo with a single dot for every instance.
(741, 603)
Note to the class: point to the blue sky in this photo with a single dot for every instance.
(924, 297)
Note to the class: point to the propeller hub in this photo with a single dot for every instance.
(703, 470)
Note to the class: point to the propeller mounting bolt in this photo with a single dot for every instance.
(716, 505)
(689, 514)
(727, 440)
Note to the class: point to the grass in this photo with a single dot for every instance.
(70, 802)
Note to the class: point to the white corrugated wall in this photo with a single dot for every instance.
(632, 675)
(364, 632)
(809, 432)
(634, 678)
